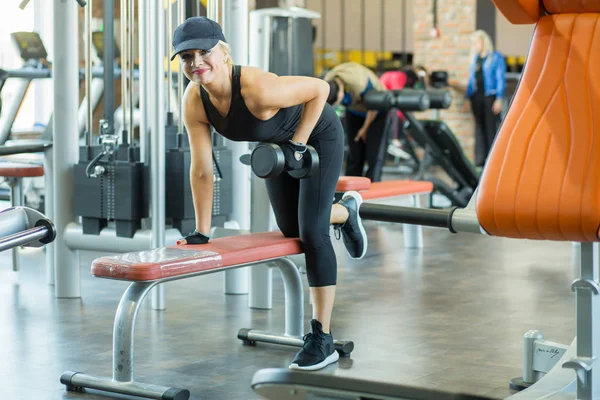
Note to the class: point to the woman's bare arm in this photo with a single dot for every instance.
(269, 91)
(201, 168)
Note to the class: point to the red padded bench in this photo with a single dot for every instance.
(386, 192)
(378, 190)
(148, 268)
(14, 172)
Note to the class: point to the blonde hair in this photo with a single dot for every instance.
(225, 48)
(488, 46)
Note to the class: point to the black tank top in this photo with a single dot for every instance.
(241, 126)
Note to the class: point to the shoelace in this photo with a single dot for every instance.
(312, 342)
(337, 231)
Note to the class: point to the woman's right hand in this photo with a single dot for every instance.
(194, 238)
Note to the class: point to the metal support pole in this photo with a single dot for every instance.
(130, 31)
(124, 61)
(157, 158)
(143, 77)
(109, 61)
(180, 77)
(89, 115)
(235, 25)
(49, 210)
(16, 200)
(65, 149)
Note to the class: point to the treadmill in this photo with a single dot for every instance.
(284, 384)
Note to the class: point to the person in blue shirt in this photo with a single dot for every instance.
(365, 129)
(485, 90)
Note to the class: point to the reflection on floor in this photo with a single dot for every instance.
(451, 315)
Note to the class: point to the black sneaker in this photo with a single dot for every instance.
(355, 237)
(318, 350)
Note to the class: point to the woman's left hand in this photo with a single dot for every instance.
(497, 106)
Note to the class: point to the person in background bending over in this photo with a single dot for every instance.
(485, 90)
(365, 129)
(249, 104)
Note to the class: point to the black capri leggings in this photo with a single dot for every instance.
(302, 207)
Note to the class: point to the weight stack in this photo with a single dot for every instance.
(179, 200)
(116, 195)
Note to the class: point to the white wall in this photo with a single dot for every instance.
(512, 40)
(392, 24)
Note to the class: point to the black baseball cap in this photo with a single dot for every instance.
(196, 33)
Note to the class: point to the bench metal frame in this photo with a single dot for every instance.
(123, 380)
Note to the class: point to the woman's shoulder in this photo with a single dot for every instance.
(192, 103)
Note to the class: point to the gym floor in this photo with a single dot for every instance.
(451, 315)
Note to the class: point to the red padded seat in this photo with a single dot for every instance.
(186, 259)
(356, 183)
(379, 190)
(11, 169)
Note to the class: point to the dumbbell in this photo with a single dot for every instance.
(268, 161)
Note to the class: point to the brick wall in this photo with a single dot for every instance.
(449, 52)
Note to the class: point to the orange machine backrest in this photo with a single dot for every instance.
(572, 6)
(519, 11)
(542, 178)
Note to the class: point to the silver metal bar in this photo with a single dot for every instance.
(49, 210)
(180, 79)
(66, 142)
(465, 220)
(157, 162)
(108, 240)
(21, 238)
(129, 388)
(235, 18)
(124, 329)
(344, 347)
(588, 302)
(169, 67)
(89, 121)
(130, 79)
(17, 199)
(294, 297)
(124, 60)
(144, 82)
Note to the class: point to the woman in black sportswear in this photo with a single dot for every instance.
(248, 104)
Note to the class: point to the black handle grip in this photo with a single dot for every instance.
(439, 99)
(407, 215)
(411, 100)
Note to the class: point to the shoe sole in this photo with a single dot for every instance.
(329, 360)
(358, 198)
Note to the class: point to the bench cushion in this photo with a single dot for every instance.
(10, 169)
(348, 183)
(380, 190)
(186, 259)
